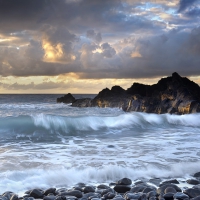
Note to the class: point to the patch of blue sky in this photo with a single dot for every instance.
(156, 18)
(171, 11)
(148, 6)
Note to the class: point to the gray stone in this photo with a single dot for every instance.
(192, 193)
(122, 188)
(193, 181)
(124, 181)
(181, 196)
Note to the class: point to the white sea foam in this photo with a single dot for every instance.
(137, 120)
(49, 144)
(20, 181)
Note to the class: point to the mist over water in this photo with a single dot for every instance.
(45, 144)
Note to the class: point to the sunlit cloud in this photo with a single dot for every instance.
(76, 44)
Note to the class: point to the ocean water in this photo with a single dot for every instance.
(44, 144)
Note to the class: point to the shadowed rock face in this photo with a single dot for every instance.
(68, 98)
(170, 95)
(174, 94)
(110, 98)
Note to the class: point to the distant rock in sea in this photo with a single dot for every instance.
(68, 98)
(174, 95)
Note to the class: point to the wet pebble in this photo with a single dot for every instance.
(50, 190)
(192, 193)
(162, 188)
(197, 175)
(124, 181)
(122, 188)
(181, 196)
(37, 193)
(170, 190)
(88, 189)
(168, 196)
(109, 195)
(193, 181)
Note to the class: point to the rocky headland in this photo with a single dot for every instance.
(174, 95)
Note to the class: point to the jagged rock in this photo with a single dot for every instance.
(110, 98)
(68, 98)
(174, 94)
(86, 102)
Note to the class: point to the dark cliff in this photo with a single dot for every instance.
(174, 94)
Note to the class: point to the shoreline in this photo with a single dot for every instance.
(123, 189)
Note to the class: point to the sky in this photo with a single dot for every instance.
(83, 46)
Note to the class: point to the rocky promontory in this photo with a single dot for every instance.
(174, 94)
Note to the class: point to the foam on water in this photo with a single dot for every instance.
(44, 144)
(20, 181)
(73, 125)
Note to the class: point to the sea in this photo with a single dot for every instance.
(47, 144)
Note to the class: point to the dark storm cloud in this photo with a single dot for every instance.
(184, 4)
(77, 16)
(95, 36)
(28, 14)
(107, 50)
(156, 56)
(195, 12)
(98, 39)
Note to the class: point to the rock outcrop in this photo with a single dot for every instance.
(110, 98)
(174, 94)
(85, 102)
(68, 98)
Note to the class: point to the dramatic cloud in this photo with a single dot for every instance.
(95, 39)
(184, 4)
(58, 45)
(95, 36)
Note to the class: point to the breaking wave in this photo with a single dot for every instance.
(41, 125)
